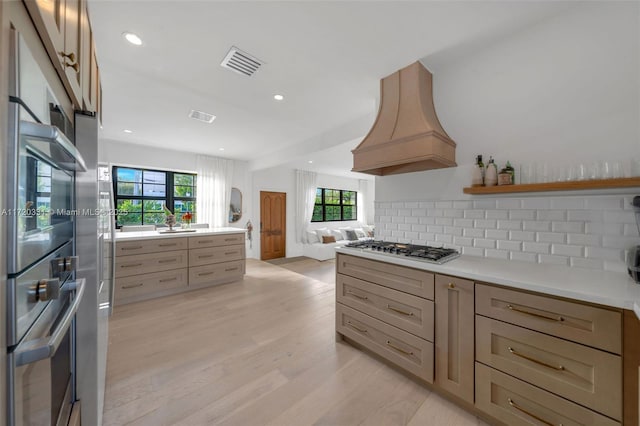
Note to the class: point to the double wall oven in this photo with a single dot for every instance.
(42, 294)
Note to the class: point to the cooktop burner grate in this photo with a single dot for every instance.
(418, 252)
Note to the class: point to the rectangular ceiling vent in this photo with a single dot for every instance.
(241, 62)
(202, 116)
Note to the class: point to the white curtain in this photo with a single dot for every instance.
(214, 190)
(305, 199)
(363, 191)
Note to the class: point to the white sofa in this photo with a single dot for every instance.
(318, 250)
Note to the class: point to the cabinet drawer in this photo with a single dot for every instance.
(582, 374)
(216, 240)
(597, 327)
(412, 281)
(207, 256)
(516, 403)
(403, 349)
(139, 285)
(216, 273)
(127, 248)
(405, 311)
(153, 262)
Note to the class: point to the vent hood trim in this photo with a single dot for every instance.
(406, 135)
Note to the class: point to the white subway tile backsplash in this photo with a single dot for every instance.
(536, 203)
(496, 234)
(473, 232)
(474, 214)
(530, 247)
(524, 257)
(615, 266)
(540, 226)
(497, 214)
(565, 203)
(484, 243)
(522, 235)
(568, 227)
(521, 215)
(553, 260)
(496, 254)
(551, 237)
(566, 250)
(510, 224)
(465, 223)
(551, 215)
(582, 231)
(484, 223)
(509, 203)
(473, 251)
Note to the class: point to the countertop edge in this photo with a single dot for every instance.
(150, 235)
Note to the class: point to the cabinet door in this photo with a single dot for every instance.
(455, 336)
(89, 65)
(73, 46)
(49, 16)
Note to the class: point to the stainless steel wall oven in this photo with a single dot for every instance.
(42, 295)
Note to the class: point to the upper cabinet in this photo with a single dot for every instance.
(64, 27)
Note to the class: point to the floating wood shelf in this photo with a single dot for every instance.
(555, 186)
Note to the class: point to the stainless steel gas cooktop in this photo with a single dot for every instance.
(429, 254)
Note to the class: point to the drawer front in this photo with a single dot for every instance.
(207, 256)
(405, 311)
(216, 240)
(592, 326)
(403, 349)
(128, 248)
(517, 403)
(412, 281)
(579, 373)
(139, 285)
(153, 262)
(216, 272)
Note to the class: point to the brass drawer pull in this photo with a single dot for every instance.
(230, 252)
(168, 279)
(131, 248)
(530, 414)
(71, 56)
(534, 314)
(132, 286)
(392, 346)
(528, 358)
(202, 274)
(167, 260)
(133, 265)
(203, 242)
(205, 256)
(451, 285)
(75, 66)
(231, 269)
(357, 295)
(361, 330)
(230, 239)
(167, 245)
(400, 311)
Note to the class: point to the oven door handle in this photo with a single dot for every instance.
(46, 347)
(60, 150)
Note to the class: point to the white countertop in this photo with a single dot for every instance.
(148, 235)
(612, 289)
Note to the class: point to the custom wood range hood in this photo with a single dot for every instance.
(406, 136)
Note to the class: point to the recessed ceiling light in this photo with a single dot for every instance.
(221, 149)
(310, 161)
(132, 38)
(128, 131)
(278, 97)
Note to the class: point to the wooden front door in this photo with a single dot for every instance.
(273, 224)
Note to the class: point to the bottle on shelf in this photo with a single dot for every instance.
(477, 177)
(491, 175)
(509, 168)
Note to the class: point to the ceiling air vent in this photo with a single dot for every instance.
(241, 62)
(202, 116)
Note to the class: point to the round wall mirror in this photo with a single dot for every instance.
(235, 206)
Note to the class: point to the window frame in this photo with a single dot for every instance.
(169, 198)
(342, 206)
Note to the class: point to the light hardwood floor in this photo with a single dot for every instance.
(257, 352)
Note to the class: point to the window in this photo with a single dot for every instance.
(335, 204)
(140, 193)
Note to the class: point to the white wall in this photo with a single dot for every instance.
(283, 179)
(565, 90)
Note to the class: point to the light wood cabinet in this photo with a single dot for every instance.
(90, 77)
(156, 245)
(140, 287)
(454, 327)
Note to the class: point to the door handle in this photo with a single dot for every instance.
(46, 347)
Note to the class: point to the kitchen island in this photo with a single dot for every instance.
(152, 264)
(510, 341)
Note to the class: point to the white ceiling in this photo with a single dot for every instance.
(325, 57)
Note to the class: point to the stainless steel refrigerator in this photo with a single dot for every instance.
(94, 239)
